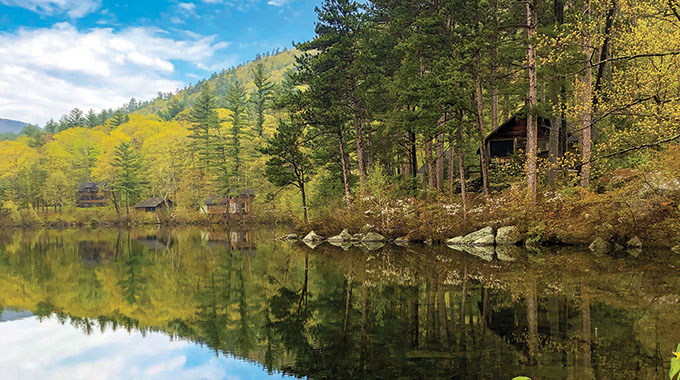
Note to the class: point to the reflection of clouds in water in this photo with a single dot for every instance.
(49, 350)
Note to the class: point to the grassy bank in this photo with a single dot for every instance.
(622, 205)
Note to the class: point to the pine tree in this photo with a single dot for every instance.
(204, 122)
(288, 164)
(76, 119)
(262, 94)
(175, 106)
(92, 119)
(236, 103)
(127, 165)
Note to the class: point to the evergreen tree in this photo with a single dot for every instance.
(175, 106)
(236, 103)
(204, 124)
(76, 119)
(128, 166)
(288, 164)
(51, 126)
(118, 118)
(262, 94)
(92, 119)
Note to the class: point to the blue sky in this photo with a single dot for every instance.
(60, 54)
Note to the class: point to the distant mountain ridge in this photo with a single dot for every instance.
(13, 126)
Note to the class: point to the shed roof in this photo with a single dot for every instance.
(88, 186)
(216, 200)
(151, 202)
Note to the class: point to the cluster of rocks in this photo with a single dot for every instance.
(344, 240)
(509, 235)
(488, 243)
(633, 245)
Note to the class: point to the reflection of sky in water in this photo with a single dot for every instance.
(30, 349)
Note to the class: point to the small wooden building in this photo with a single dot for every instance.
(242, 203)
(92, 194)
(511, 137)
(153, 204)
(217, 204)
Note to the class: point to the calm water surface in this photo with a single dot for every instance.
(209, 304)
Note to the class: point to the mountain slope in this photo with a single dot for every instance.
(275, 65)
(13, 126)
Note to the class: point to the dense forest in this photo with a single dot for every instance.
(384, 118)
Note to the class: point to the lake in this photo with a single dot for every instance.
(198, 303)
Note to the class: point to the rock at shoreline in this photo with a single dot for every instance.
(429, 242)
(634, 242)
(458, 240)
(312, 243)
(402, 241)
(289, 237)
(344, 236)
(509, 235)
(508, 253)
(483, 237)
(635, 252)
(373, 237)
(372, 245)
(600, 245)
(483, 252)
(313, 237)
(357, 237)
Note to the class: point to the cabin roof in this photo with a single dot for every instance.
(90, 186)
(542, 123)
(216, 200)
(242, 193)
(151, 202)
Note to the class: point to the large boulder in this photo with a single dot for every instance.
(509, 235)
(372, 245)
(342, 237)
(357, 237)
(458, 240)
(289, 237)
(600, 245)
(313, 237)
(483, 252)
(634, 242)
(373, 237)
(508, 252)
(402, 241)
(483, 237)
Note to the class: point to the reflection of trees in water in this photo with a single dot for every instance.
(424, 313)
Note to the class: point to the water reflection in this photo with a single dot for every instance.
(412, 312)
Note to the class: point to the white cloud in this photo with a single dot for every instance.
(188, 7)
(74, 8)
(49, 350)
(46, 72)
(277, 3)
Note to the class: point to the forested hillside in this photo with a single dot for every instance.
(418, 118)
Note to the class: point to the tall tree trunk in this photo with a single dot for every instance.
(484, 158)
(361, 156)
(452, 161)
(494, 69)
(587, 100)
(414, 153)
(532, 322)
(304, 201)
(532, 124)
(461, 169)
(345, 170)
(439, 151)
(431, 175)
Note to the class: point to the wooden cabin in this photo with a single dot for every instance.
(92, 194)
(242, 203)
(153, 204)
(511, 137)
(217, 204)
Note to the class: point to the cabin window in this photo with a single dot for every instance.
(502, 148)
